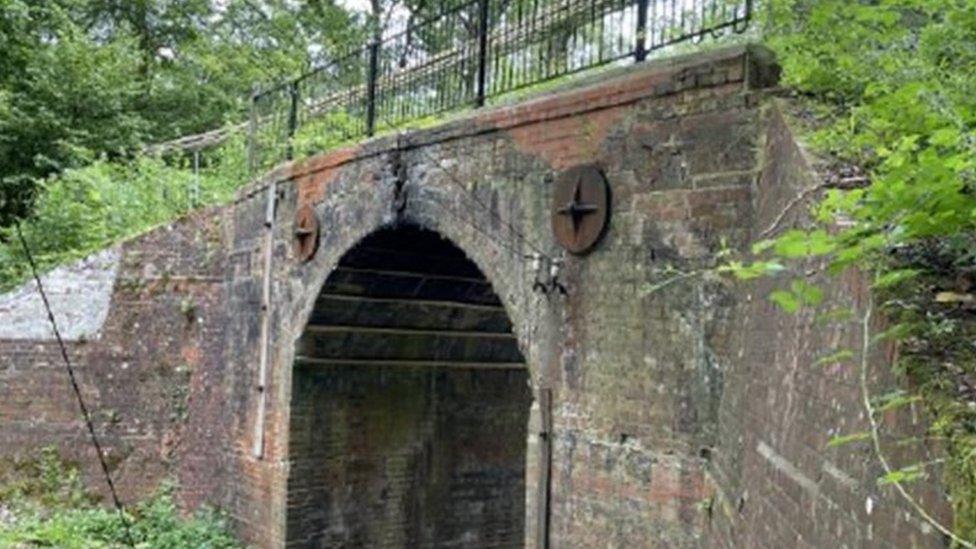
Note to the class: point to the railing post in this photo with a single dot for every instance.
(482, 52)
(374, 62)
(252, 132)
(195, 189)
(640, 48)
(292, 120)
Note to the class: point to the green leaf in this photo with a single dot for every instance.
(843, 314)
(806, 293)
(893, 400)
(841, 355)
(796, 244)
(753, 270)
(762, 246)
(893, 278)
(945, 137)
(791, 244)
(786, 301)
(904, 475)
(842, 440)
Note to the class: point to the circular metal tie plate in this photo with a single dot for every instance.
(306, 233)
(580, 208)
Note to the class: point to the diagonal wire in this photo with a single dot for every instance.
(470, 194)
(484, 232)
(74, 385)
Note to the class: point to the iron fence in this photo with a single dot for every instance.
(464, 53)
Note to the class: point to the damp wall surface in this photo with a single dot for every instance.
(667, 409)
(408, 457)
(410, 404)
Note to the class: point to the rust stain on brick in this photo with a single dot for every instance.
(190, 354)
(314, 174)
(565, 142)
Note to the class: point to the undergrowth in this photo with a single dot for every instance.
(44, 504)
(83, 210)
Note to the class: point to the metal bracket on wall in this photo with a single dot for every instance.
(580, 208)
(546, 272)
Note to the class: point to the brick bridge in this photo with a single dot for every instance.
(419, 389)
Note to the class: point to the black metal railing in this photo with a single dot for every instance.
(464, 53)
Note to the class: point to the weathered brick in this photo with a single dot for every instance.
(670, 397)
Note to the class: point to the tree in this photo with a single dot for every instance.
(83, 79)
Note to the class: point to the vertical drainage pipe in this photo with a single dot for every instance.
(264, 351)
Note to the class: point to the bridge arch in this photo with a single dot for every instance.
(486, 237)
(410, 402)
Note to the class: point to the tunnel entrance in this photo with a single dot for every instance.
(410, 404)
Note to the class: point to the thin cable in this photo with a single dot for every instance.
(484, 232)
(74, 386)
(453, 179)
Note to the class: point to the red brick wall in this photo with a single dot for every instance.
(780, 482)
(146, 379)
(685, 413)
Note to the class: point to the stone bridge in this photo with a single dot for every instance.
(428, 368)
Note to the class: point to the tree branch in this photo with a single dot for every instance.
(774, 226)
(876, 438)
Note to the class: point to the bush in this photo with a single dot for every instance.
(42, 479)
(43, 504)
(154, 524)
(85, 209)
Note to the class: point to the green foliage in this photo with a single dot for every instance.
(326, 132)
(48, 507)
(85, 79)
(836, 357)
(85, 209)
(43, 479)
(910, 473)
(800, 294)
(843, 440)
(893, 400)
(155, 523)
(887, 86)
(752, 270)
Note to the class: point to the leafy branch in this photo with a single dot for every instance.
(892, 475)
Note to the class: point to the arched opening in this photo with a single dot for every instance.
(410, 404)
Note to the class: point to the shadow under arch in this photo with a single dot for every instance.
(409, 405)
